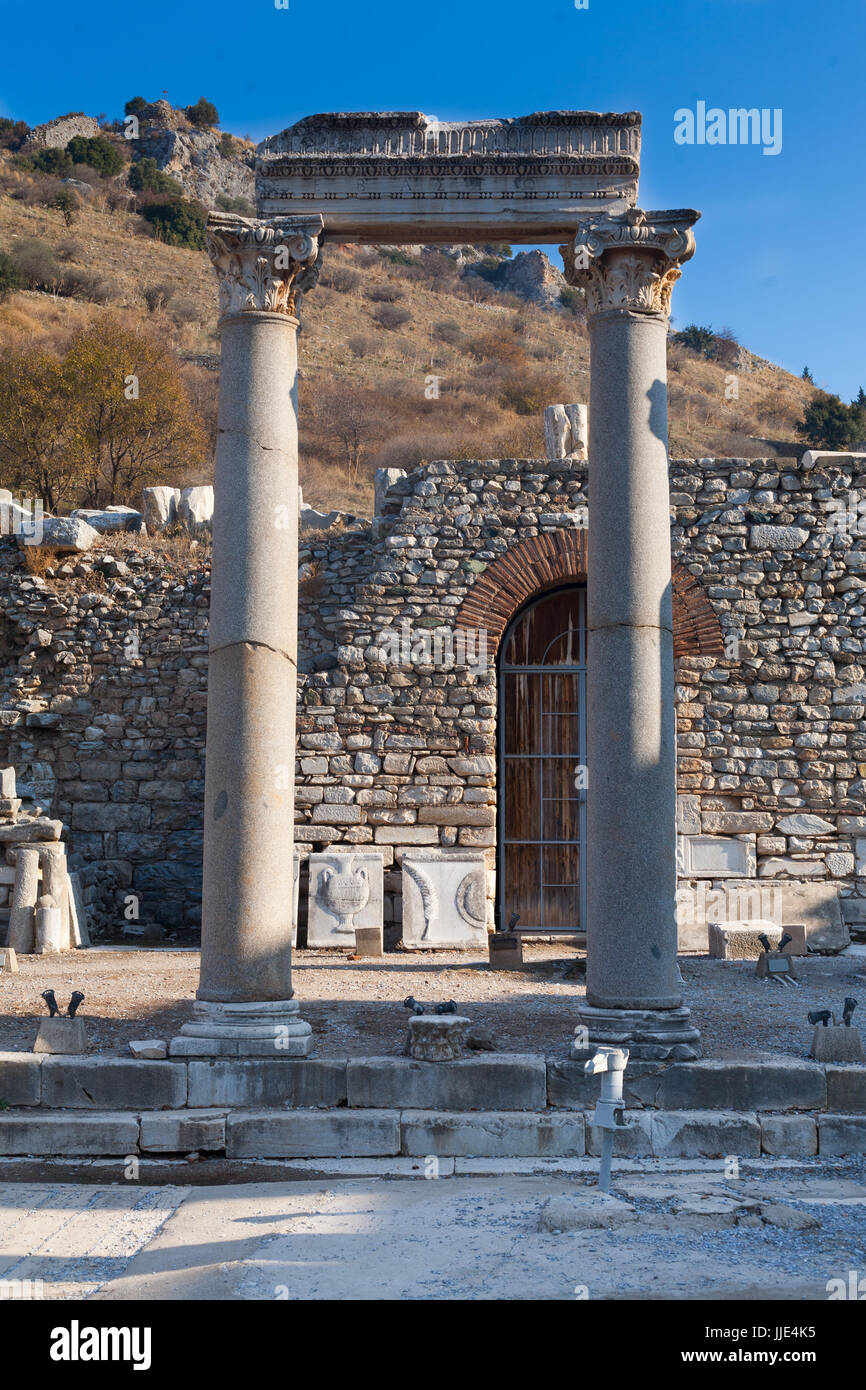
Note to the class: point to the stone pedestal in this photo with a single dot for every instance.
(66, 1037)
(437, 1038)
(628, 263)
(245, 1000)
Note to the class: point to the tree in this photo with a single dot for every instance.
(807, 376)
(97, 152)
(33, 426)
(349, 420)
(697, 339)
(95, 425)
(66, 203)
(130, 416)
(52, 161)
(10, 276)
(177, 223)
(134, 106)
(203, 113)
(12, 133)
(828, 422)
(146, 176)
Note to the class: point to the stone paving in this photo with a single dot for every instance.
(687, 1230)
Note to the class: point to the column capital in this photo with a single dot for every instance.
(264, 265)
(631, 260)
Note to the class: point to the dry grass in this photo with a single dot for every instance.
(462, 331)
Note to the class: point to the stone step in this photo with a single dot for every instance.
(425, 1134)
(497, 1082)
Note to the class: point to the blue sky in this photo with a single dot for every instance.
(780, 245)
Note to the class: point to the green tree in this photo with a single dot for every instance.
(807, 376)
(66, 203)
(97, 152)
(52, 161)
(203, 113)
(697, 339)
(134, 106)
(10, 276)
(12, 133)
(828, 422)
(146, 176)
(178, 223)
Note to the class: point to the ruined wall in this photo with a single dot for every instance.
(401, 751)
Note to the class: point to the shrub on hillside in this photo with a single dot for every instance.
(145, 176)
(88, 284)
(528, 392)
(360, 344)
(37, 265)
(240, 205)
(447, 331)
(227, 145)
(340, 277)
(52, 161)
(11, 277)
(829, 423)
(203, 113)
(99, 153)
(134, 106)
(396, 255)
(69, 250)
(157, 296)
(12, 133)
(386, 294)
(391, 316)
(177, 223)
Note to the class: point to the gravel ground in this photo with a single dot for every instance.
(354, 1006)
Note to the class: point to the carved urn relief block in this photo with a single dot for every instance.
(346, 891)
(444, 900)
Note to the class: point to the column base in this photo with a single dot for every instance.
(266, 1028)
(651, 1035)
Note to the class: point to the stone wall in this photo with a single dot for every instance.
(401, 752)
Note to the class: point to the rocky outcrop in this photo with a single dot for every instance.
(531, 276)
(193, 156)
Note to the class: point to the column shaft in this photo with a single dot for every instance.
(631, 803)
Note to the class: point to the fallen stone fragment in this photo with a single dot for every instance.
(149, 1049)
(586, 1210)
(788, 1218)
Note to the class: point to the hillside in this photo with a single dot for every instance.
(379, 327)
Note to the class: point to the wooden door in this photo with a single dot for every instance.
(542, 764)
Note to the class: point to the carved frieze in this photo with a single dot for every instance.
(264, 265)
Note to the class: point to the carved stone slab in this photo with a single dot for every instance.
(346, 890)
(444, 900)
(401, 176)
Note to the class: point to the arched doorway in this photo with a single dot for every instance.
(542, 764)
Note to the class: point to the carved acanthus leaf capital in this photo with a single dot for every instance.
(264, 265)
(630, 260)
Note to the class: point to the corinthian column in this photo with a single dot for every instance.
(628, 264)
(244, 1002)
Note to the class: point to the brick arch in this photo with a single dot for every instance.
(559, 557)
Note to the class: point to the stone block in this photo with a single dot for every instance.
(346, 890)
(312, 1134)
(516, 1081)
(739, 940)
(9, 960)
(20, 1078)
(159, 505)
(112, 1083)
(66, 1037)
(267, 1081)
(444, 900)
(839, 1135)
(836, 1043)
(569, 1087)
(56, 1135)
(775, 1084)
(705, 1134)
(632, 1139)
(149, 1050)
(789, 1136)
(817, 906)
(437, 1037)
(846, 1088)
(492, 1134)
(180, 1131)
